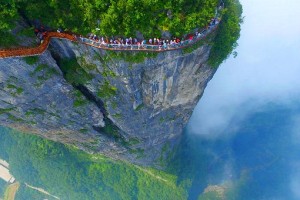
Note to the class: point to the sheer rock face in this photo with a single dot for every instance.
(151, 103)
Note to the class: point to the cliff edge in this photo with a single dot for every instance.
(124, 105)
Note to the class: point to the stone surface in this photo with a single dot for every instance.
(153, 101)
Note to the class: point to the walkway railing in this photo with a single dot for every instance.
(31, 51)
(147, 47)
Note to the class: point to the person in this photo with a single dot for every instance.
(39, 35)
(138, 43)
(165, 45)
(103, 43)
(150, 41)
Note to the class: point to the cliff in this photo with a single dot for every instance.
(130, 106)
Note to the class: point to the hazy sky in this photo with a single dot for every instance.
(267, 68)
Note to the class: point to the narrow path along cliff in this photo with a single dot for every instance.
(31, 51)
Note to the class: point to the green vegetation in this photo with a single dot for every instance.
(111, 130)
(45, 72)
(133, 141)
(10, 116)
(131, 57)
(80, 100)
(83, 130)
(139, 152)
(14, 118)
(72, 174)
(73, 72)
(114, 104)
(139, 107)
(8, 15)
(28, 32)
(117, 115)
(7, 40)
(18, 90)
(39, 68)
(3, 186)
(25, 193)
(87, 66)
(228, 33)
(124, 18)
(107, 90)
(5, 110)
(162, 160)
(120, 17)
(34, 112)
(31, 60)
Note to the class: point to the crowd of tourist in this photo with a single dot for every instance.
(134, 43)
(154, 43)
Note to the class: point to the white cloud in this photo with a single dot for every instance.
(267, 68)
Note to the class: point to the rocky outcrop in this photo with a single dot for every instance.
(131, 106)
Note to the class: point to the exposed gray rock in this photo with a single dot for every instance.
(152, 103)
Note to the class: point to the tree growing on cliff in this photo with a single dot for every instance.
(228, 33)
(8, 15)
(119, 17)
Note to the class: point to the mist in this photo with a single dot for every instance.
(266, 69)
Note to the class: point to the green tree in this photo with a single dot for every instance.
(227, 34)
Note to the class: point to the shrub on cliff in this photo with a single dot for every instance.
(73, 72)
(8, 13)
(228, 33)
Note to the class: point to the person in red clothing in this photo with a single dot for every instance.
(44, 34)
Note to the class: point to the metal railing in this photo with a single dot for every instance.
(147, 47)
(30, 51)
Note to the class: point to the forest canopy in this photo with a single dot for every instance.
(126, 17)
(72, 174)
(112, 17)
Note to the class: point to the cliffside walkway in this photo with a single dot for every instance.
(148, 47)
(32, 51)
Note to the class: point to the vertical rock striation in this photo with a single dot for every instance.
(132, 106)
